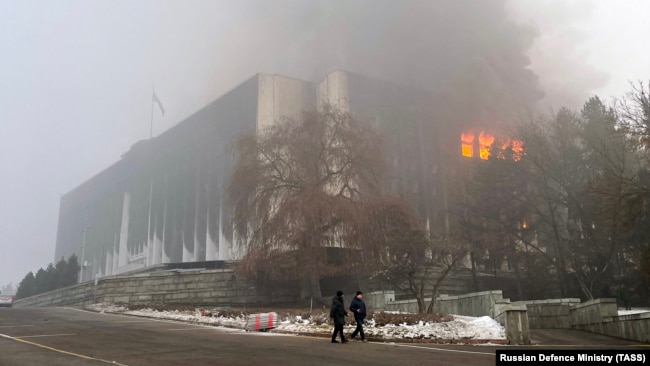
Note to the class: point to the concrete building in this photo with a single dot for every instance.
(163, 202)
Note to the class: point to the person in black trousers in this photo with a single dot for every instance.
(358, 308)
(338, 314)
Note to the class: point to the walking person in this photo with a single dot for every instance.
(358, 308)
(338, 314)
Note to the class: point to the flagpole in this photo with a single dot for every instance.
(153, 91)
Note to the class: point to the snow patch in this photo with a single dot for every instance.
(633, 311)
(461, 327)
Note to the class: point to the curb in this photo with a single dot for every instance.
(402, 340)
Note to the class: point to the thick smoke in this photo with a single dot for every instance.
(471, 49)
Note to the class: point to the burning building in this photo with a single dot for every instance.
(163, 201)
(482, 144)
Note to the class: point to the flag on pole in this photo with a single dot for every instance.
(156, 100)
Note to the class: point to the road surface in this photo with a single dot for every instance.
(70, 337)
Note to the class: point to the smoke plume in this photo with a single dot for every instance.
(471, 49)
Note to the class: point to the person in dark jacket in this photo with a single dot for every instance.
(338, 314)
(358, 308)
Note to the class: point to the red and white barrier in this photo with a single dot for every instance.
(262, 321)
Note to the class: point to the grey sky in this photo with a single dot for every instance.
(76, 76)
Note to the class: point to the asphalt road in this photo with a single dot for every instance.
(70, 337)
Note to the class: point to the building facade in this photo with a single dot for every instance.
(163, 201)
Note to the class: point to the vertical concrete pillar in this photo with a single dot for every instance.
(334, 90)
(515, 319)
(166, 258)
(149, 244)
(187, 255)
(164, 255)
(149, 251)
(124, 231)
(210, 245)
(196, 257)
(157, 249)
(223, 244)
(109, 262)
(116, 254)
(197, 244)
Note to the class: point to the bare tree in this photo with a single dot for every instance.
(303, 185)
(413, 259)
(634, 112)
(445, 252)
(418, 264)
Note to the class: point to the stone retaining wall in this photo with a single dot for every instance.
(197, 287)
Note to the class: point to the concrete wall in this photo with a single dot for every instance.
(197, 287)
(513, 317)
(597, 316)
(593, 311)
(601, 316)
(549, 314)
(378, 300)
(405, 306)
(281, 96)
(473, 304)
(334, 90)
(634, 327)
(515, 320)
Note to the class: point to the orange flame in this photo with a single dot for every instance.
(467, 144)
(485, 142)
(517, 149)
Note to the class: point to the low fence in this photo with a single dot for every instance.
(405, 306)
(485, 303)
(472, 304)
(549, 314)
(601, 316)
(596, 316)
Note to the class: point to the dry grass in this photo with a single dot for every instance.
(382, 319)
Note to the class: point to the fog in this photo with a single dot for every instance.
(76, 77)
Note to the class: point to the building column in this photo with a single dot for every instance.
(124, 231)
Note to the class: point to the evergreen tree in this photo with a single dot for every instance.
(71, 273)
(50, 278)
(58, 280)
(40, 281)
(27, 286)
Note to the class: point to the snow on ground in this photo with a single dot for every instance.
(461, 327)
(184, 316)
(633, 311)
